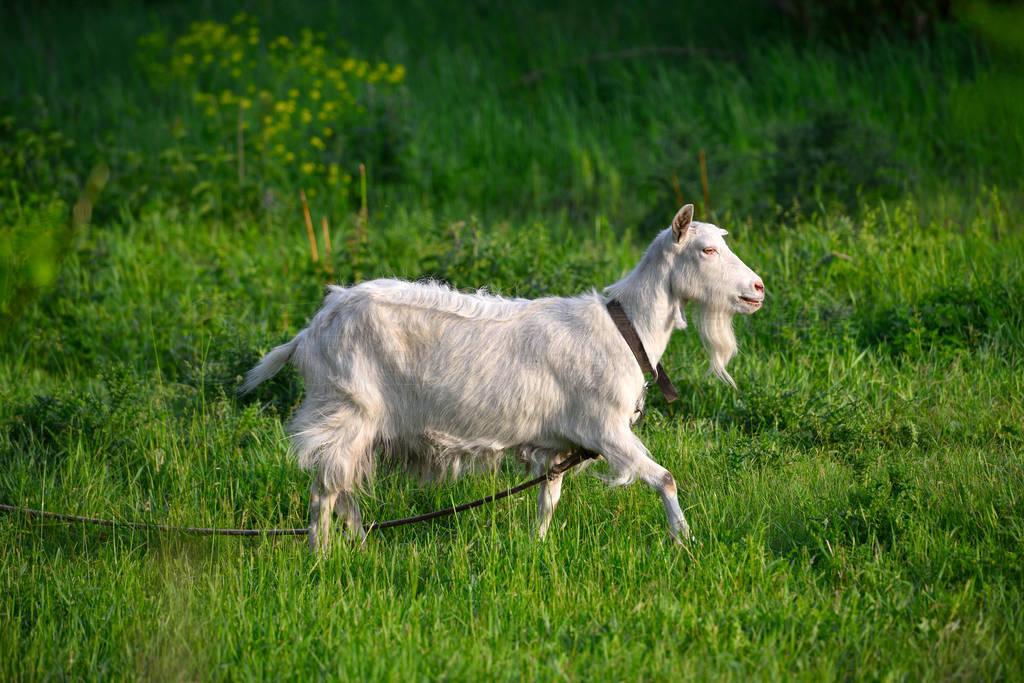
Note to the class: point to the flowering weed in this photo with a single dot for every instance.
(283, 111)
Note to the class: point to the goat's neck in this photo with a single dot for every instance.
(651, 309)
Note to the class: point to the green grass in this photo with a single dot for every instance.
(858, 501)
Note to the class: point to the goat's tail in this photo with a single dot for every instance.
(270, 365)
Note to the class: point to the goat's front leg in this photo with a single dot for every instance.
(625, 452)
(661, 480)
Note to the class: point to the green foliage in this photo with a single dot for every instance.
(528, 262)
(947, 317)
(34, 162)
(862, 488)
(51, 424)
(32, 242)
(282, 111)
(34, 219)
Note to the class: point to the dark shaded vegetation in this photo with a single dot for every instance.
(850, 20)
(948, 317)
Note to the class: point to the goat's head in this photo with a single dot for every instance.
(706, 272)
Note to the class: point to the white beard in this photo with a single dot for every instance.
(715, 329)
(679, 317)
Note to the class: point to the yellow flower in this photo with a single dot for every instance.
(317, 142)
(307, 168)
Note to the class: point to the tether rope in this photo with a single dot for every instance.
(559, 469)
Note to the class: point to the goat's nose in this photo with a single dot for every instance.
(759, 286)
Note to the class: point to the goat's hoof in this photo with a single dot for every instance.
(316, 546)
(683, 536)
(688, 540)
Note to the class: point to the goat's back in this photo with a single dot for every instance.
(425, 357)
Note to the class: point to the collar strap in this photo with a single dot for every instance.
(628, 332)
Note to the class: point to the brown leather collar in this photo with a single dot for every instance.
(628, 332)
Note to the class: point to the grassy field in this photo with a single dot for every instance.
(858, 502)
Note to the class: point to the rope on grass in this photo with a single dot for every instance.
(562, 467)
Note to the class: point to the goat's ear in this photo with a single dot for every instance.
(681, 223)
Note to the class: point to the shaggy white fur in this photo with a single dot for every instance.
(440, 381)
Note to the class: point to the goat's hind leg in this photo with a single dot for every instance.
(347, 509)
(547, 500)
(342, 459)
(550, 490)
(321, 500)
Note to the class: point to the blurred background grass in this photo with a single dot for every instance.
(588, 109)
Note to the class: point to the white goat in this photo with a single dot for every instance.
(439, 380)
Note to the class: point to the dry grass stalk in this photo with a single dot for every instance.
(309, 227)
(325, 229)
(359, 235)
(675, 188)
(704, 184)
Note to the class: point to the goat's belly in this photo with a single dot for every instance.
(472, 420)
(437, 455)
(439, 442)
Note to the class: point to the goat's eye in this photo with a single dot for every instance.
(710, 250)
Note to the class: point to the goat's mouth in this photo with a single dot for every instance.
(752, 302)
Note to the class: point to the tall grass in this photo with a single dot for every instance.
(857, 502)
